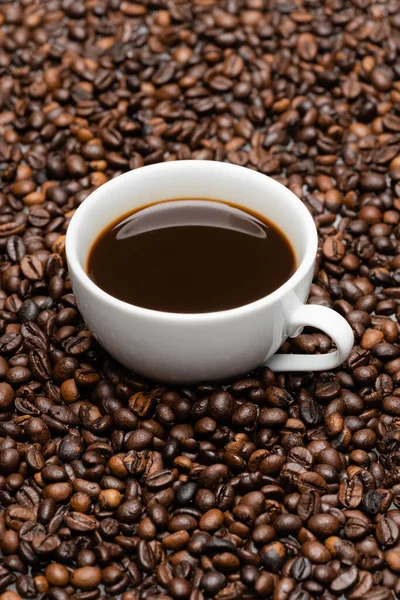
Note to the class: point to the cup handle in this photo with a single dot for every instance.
(331, 323)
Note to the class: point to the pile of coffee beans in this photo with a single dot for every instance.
(282, 486)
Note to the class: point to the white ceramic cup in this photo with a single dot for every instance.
(184, 348)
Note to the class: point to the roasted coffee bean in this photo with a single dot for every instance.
(387, 532)
(57, 575)
(350, 493)
(9, 460)
(130, 511)
(10, 342)
(345, 580)
(80, 522)
(86, 578)
(212, 582)
(7, 396)
(371, 502)
(221, 406)
(26, 586)
(301, 569)
(273, 556)
(15, 248)
(31, 267)
(316, 552)
(323, 525)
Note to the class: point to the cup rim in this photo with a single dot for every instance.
(89, 204)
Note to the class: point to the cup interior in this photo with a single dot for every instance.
(191, 179)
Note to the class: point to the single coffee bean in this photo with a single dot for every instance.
(7, 396)
(57, 575)
(324, 525)
(86, 578)
(387, 532)
(212, 582)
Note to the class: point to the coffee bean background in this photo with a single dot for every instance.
(282, 486)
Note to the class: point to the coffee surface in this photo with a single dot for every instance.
(191, 256)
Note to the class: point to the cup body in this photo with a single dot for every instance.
(185, 348)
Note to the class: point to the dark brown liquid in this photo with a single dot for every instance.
(191, 256)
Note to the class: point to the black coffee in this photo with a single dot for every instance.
(191, 256)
